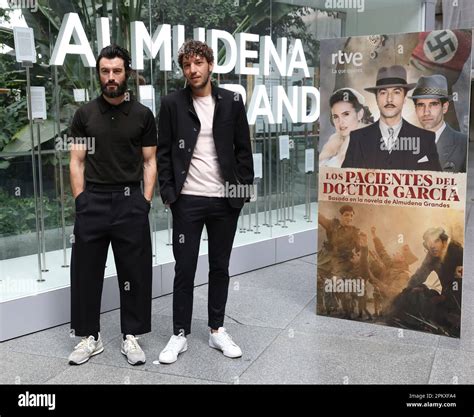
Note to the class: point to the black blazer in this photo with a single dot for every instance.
(178, 129)
(365, 150)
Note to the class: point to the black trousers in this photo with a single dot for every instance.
(190, 214)
(117, 215)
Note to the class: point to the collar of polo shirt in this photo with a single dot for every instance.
(124, 106)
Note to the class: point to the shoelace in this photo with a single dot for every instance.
(173, 343)
(132, 343)
(85, 344)
(227, 337)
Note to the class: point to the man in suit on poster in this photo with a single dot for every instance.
(392, 142)
(431, 100)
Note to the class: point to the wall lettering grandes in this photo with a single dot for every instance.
(301, 104)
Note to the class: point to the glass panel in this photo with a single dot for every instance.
(284, 192)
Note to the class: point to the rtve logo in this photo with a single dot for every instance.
(340, 57)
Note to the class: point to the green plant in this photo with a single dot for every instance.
(17, 215)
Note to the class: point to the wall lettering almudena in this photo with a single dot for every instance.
(299, 104)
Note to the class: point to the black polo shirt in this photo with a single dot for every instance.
(118, 134)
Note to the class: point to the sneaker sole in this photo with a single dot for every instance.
(85, 360)
(132, 363)
(181, 351)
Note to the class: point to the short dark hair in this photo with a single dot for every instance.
(192, 48)
(345, 208)
(115, 51)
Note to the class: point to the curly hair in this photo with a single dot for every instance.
(194, 48)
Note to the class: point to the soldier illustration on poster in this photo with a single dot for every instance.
(392, 179)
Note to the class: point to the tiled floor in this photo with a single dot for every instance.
(271, 314)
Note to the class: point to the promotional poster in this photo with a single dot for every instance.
(392, 179)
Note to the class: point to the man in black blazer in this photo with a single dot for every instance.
(392, 142)
(205, 171)
(431, 100)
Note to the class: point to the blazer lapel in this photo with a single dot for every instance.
(371, 142)
(404, 130)
(189, 100)
(191, 135)
(405, 161)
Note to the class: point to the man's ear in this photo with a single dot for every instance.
(211, 66)
(445, 107)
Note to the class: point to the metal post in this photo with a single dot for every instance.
(59, 156)
(41, 211)
(270, 177)
(292, 185)
(283, 192)
(249, 214)
(308, 217)
(287, 190)
(155, 227)
(151, 31)
(265, 183)
(151, 221)
(264, 165)
(293, 170)
(257, 232)
(286, 199)
(277, 180)
(306, 196)
(152, 228)
(309, 198)
(242, 215)
(27, 65)
(170, 239)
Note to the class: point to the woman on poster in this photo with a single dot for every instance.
(348, 113)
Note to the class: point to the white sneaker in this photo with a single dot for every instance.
(132, 350)
(85, 349)
(176, 345)
(221, 340)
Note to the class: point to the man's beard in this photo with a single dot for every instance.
(119, 91)
(204, 83)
